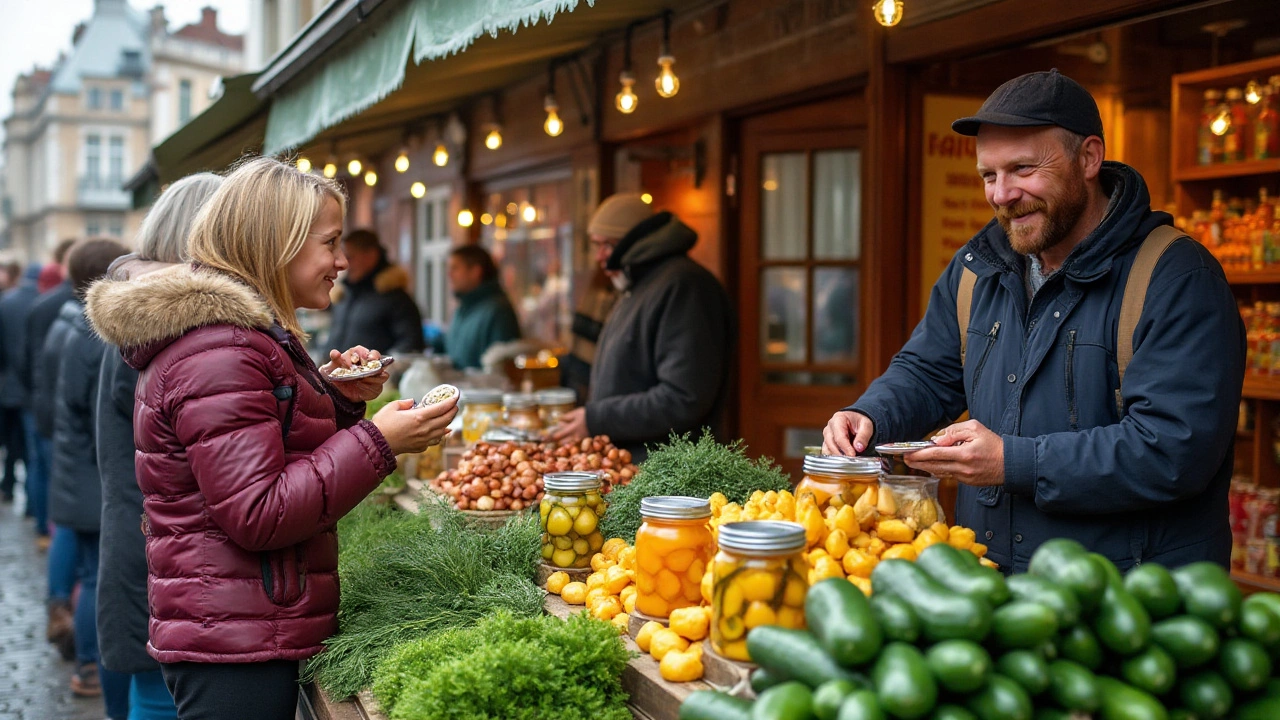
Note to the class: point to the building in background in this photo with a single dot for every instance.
(272, 26)
(80, 129)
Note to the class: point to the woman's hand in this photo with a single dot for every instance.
(364, 389)
(412, 430)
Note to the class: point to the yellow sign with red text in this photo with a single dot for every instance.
(953, 207)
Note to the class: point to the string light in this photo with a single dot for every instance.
(626, 99)
(493, 140)
(486, 219)
(646, 198)
(402, 161)
(371, 178)
(441, 156)
(529, 214)
(554, 125)
(330, 169)
(667, 83)
(888, 12)
(418, 190)
(465, 218)
(354, 167)
(304, 165)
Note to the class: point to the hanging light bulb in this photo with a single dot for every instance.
(402, 161)
(554, 125)
(418, 190)
(441, 156)
(888, 12)
(530, 213)
(667, 83)
(1221, 123)
(371, 178)
(493, 140)
(1253, 92)
(626, 99)
(304, 165)
(466, 218)
(646, 198)
(354, 167)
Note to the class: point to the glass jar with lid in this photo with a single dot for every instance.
(571, 509)
(554, 403)
(521, 411)
(837, 480)
(673, 546)
(758, 578)
(912, 499)
(481, 410)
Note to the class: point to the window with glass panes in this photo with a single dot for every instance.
(115, 161)
(93, 158)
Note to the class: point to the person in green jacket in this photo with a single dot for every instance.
(484, 316)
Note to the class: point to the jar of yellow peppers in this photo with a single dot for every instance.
(836, 480)
(758, 578)
(673, 546)
(571, 509)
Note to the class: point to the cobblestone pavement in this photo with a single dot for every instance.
(33, 677)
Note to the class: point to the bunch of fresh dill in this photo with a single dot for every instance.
(697, 469)
(406, 576)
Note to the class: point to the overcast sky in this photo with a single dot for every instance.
(33, 32)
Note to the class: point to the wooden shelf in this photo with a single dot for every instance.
(1268, 276)
(1261, 387)
(1227, 171)
(1250, 583)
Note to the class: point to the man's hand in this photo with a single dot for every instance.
(573, 426)
(967, 452)
(847, 433)
(364, 389)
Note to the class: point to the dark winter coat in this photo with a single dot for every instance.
(122, 557)
(484, 318)
(246, 459)
(1143, 481)
(379, 313)
(39, 376)
(15, 308)
(75, 487)
(662, 360)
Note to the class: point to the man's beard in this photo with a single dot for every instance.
(1060, 216)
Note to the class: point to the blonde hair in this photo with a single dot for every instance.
(256, 223)
(164, 231)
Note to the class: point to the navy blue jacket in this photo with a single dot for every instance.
(14, 309)
(1139, 475)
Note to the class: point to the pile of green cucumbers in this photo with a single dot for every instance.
(945, 638)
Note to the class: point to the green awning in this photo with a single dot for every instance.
(362, 72)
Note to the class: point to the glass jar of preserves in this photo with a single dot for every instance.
(673, 546)
(521, 411)
(1237, 142)
(912, 499)
(759, 577)
(481, 410)
(555, 402)
(837, 480)
(1209, 141)
(571, 509)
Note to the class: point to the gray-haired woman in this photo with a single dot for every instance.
(122, 579)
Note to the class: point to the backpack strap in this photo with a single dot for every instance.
(1135, 290)
(964, 302)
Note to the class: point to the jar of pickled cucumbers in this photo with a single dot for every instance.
(481, 410)
(553, 403)
(912, 499)
(571, 510)
(759, 577)
(837, 480)
(522, 411)
(673, 546)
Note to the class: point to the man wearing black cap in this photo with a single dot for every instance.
(1099, 353)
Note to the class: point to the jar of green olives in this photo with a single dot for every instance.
(571, 509)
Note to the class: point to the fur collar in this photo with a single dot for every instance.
(163, 305)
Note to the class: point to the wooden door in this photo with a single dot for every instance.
(801, 289)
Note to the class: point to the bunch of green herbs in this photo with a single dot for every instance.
(697, 469)
(511, 668)
(405, 576)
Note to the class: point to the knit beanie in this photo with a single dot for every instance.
(618, 214)
(50, 276)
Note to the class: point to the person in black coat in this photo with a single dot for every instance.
(14, 308)
(122, 573)
(373, 308)
(75, 485)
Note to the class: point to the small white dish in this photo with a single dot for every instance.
(359, 372)
(904, 448)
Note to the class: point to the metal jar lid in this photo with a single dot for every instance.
(762, 537)
(841, 465)
(571, 481)
(519, 401)
(480, 396)
(674, 507)
(557, 396)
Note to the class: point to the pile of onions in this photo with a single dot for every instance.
(508, 476)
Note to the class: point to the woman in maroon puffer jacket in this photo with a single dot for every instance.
(247, 456)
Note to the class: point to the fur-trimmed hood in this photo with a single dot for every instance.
(144, 315)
